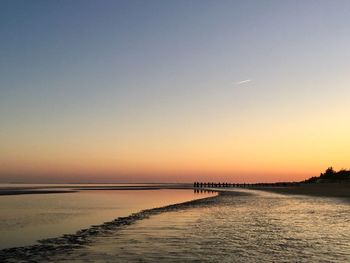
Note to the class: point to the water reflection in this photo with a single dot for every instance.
(246, 227)
(27, 218)
(201, 191)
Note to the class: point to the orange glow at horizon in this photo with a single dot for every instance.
(170, 92)
(265, 151)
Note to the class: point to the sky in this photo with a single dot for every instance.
(173, 91)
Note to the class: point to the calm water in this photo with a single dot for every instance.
(261, 227)
(27, 218)
(244, 226)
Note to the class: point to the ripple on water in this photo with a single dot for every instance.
(261, 227)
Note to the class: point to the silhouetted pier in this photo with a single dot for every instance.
(218, 185)
(205, 185)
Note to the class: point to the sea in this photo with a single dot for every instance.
(173, 225)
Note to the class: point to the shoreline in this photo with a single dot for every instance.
(75, 188)
(69, 242)
(322, 189)
(30, 192)
(82, 237)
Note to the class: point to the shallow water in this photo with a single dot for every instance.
(262, 227)
(24, 219)
(244, 226)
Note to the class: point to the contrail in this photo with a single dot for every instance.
(243, 81)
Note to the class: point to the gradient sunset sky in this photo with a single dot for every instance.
(173, 91)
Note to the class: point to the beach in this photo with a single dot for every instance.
(321, 189)
(43, 213)
(174, 131)
(238, 225)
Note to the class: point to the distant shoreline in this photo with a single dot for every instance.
(321, 189)
(75, 188)
(29, 192)
(313, 189)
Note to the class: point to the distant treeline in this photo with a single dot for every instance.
(330, 175)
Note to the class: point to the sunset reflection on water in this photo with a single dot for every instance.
(27, 218)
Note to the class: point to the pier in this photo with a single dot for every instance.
(204, 185)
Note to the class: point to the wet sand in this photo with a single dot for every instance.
(24, 190)
(239, 226)
(322, 189)
(67, 243)
(28, 192)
